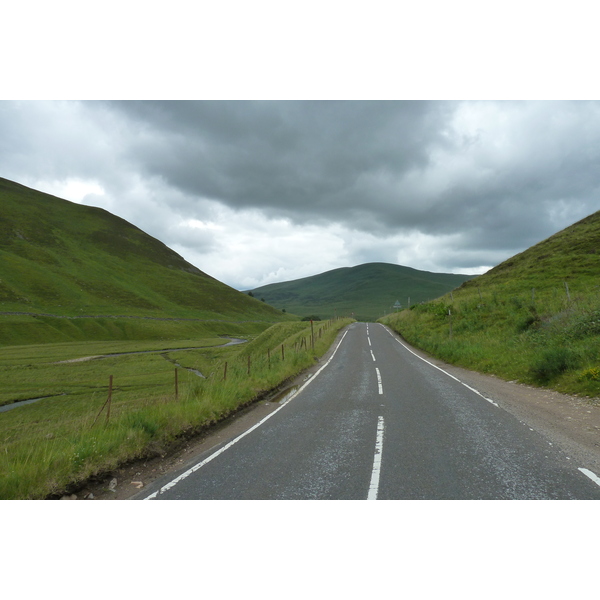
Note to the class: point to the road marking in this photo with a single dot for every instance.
(369, 340)
(442, 370)
(374, 485)
(373, 356)
(379, 381)
(591, 475)
(197, 466)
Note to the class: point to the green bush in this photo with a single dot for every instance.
(553, 362)
(527, 322)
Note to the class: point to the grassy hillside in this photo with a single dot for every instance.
(534, 318)
(65, 259)
(368, 291)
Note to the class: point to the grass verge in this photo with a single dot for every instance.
(545, 338)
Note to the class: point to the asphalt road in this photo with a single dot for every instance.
(378, 422)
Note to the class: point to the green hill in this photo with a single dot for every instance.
(366, 291)
(70, 260)
(533, 318)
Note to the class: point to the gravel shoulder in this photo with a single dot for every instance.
(569, 422)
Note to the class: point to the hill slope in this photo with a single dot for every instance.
(368, 290)
(533, 318)
(572, 254)
(67, 259)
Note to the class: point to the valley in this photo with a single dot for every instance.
(123, 344)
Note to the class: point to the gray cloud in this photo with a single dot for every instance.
(443, 185)
(308, 160)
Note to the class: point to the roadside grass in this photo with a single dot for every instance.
(53, 445)
(541, 337)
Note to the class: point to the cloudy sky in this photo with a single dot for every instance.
(254, 192)
(324, 154)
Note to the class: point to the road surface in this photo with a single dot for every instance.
(378, 422)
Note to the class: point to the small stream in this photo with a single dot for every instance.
(6, 407)
(232, 342)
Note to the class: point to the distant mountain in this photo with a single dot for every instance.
(367, 291)
(67, 259)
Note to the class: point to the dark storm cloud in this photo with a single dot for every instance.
(305, 160)
(380, 166)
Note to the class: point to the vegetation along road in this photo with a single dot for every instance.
(379, 421)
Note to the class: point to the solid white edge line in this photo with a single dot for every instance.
(591, 475)
(191, 470)
(374, 484)
(439, 369)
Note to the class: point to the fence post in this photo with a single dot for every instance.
(269, 356)
(248, 364)
(282, 353)
(110, 383)
(108, 401)
(176, 385)
(225, 372)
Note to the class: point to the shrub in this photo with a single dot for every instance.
(527, 322)
(551, 363)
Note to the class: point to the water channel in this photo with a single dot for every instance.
(231, 342)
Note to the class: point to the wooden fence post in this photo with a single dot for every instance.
(109, 400)
(225, 372)
(282, 353)
(176, 385)
(107, 403)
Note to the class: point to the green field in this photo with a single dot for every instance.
(364, 292)
(534, 318)
(58, 442)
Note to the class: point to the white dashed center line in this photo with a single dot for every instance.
(379, 381)
(374, 486)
